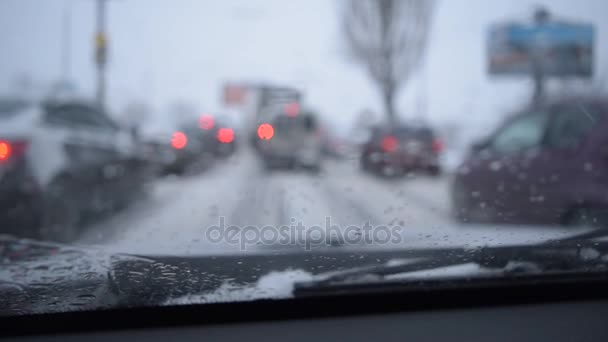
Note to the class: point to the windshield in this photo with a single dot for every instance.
(263, 143)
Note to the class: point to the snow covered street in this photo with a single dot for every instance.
(180, 214)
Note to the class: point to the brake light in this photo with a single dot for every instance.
(206, 122)
(437, 146)
(265, 131)
(390, 143)
(225, 135)
(5, 150)
(179, 140)
(292, 109)
(11, 149)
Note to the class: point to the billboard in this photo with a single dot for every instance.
(276, 96)
(240, 94)
(551, 48)
(235, 95)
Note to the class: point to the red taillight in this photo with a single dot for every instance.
(390, 143)
(225, 135)
(206, 122)
(292, 109)
(11, 149)
(179, 140)
(265, 131)
(437, 146)
(5, 150)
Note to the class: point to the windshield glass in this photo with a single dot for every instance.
(240, 147)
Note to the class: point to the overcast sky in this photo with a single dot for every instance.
(165, 50)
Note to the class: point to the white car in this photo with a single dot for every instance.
(49, 152)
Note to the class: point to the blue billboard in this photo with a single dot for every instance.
(552, 48)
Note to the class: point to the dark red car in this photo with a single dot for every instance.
(394, 151)
(543, 166)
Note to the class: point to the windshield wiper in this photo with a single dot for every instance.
(577, 253)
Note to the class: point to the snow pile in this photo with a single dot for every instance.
(274, 285)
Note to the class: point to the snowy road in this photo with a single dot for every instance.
(177, 216)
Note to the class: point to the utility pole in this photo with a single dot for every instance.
(541, 16)
(421, 101)
(66, 43)
(101, 52)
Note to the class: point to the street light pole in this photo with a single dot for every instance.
(101, 52)
(66, 42)
(541, 16)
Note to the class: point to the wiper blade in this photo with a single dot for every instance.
(577, 253)
(585, 237)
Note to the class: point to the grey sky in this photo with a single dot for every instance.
(164, 50)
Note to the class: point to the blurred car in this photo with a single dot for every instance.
(191, 149)
(336, 148)
(395, 151)
(49, 152)
(159, 153)
(198, 143)
(223, 140)
(547, 165)
(290, 140)
(333, 146)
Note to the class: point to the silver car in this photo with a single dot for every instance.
(294, 141)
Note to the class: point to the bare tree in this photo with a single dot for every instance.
(388, 38)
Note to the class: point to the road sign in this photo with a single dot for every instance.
(235, 94)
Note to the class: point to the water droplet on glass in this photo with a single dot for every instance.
(495, 166)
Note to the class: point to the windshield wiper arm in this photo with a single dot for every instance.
(576, 253)
(585, 237)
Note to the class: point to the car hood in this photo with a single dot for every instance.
(38, 277)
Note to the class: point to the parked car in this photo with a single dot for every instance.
(290, 140)
(49, 152)
(547, 165)
(395, 151)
